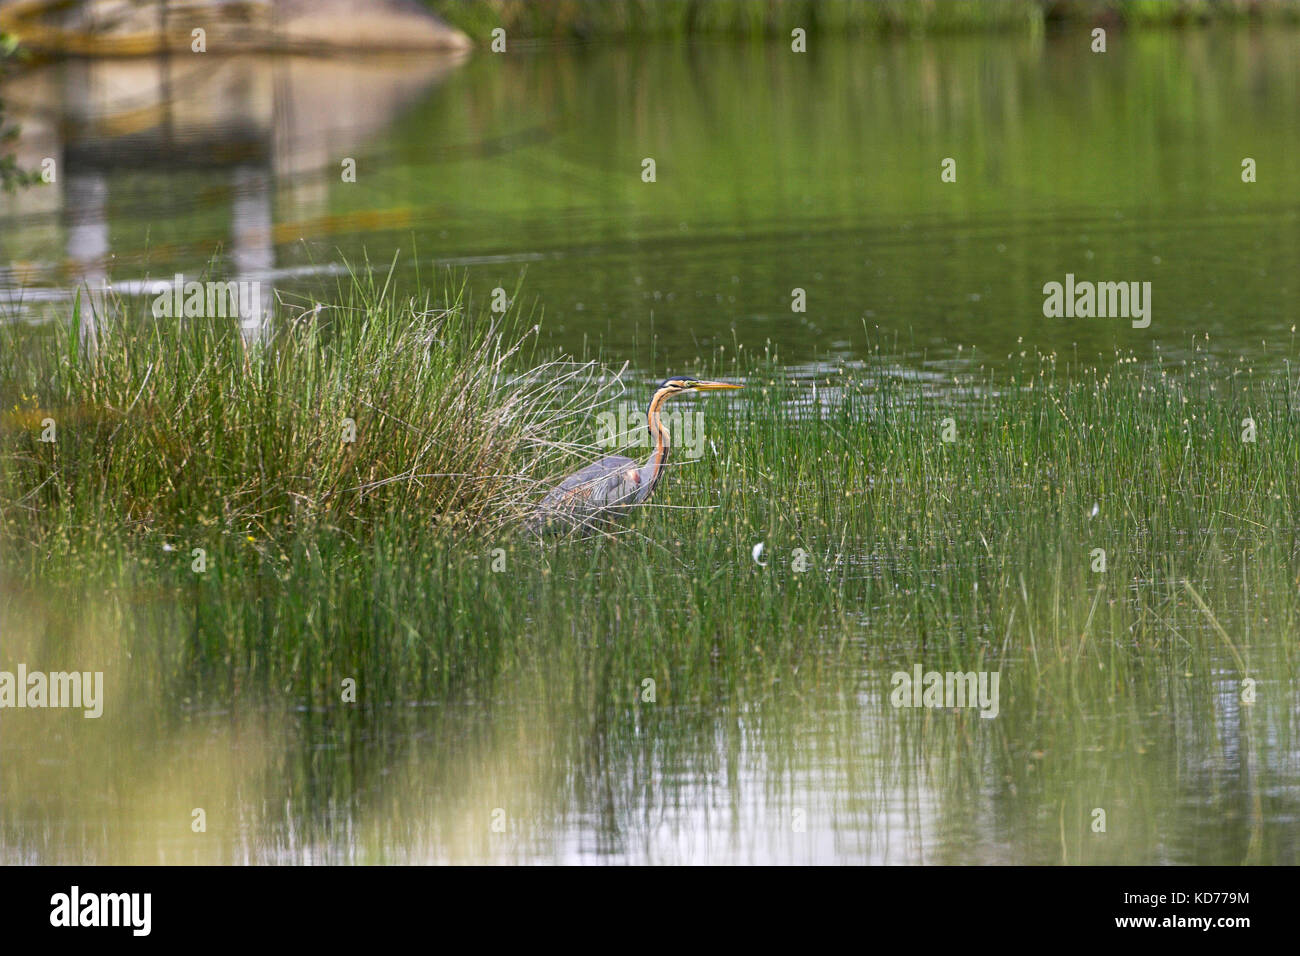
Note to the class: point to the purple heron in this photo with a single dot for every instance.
(605, 490)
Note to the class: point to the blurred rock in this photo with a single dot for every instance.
(142, 27)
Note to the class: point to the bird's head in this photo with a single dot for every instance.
(678, 385)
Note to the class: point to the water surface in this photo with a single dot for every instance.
(773, 172)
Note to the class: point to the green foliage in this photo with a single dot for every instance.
(590, 19)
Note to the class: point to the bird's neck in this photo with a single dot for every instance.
(660, 440)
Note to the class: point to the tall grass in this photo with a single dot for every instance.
(488, 664)
(369, 408)
(169, 442)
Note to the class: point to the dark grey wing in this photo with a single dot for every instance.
(597, 491)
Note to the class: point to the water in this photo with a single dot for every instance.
(774, 172)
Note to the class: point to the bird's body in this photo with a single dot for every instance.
(596, 496)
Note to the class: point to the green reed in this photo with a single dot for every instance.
(978, 553)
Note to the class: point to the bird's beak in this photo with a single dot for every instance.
(714, 386)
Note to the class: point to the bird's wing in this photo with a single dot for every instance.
(602, 484)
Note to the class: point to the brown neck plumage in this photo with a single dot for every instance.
(658, 433)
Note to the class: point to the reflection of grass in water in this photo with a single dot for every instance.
(120, 788)
(521, 689)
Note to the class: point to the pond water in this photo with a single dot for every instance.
(773, 172)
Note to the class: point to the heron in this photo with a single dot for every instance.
(604, 491)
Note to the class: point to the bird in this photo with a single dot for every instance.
(596, 496)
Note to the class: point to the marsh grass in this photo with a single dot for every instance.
(975, 554)
(341, 416)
